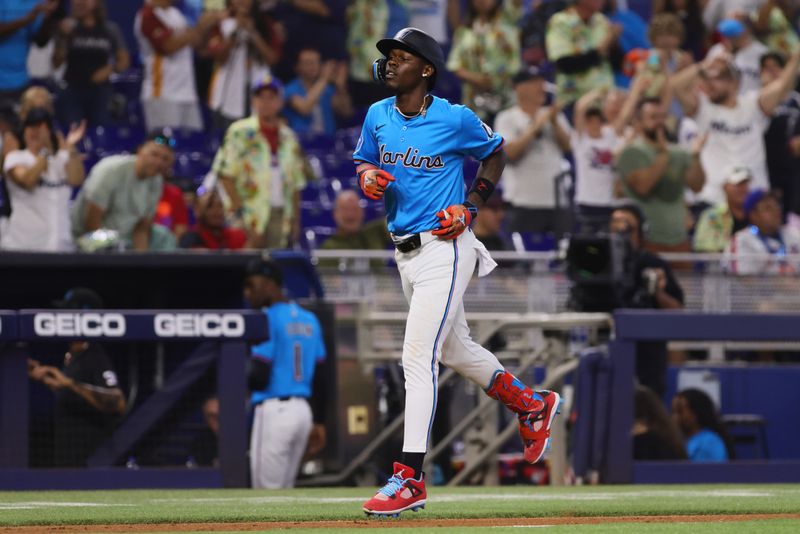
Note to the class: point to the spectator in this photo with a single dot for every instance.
(40, 177)
(633, 35)
(536, 137)
(764, 244)
(437, 18)
(171, 212)
(738, 41)
(369, 21)
(489, 229)
(579, 40)
(92, 48)
(666, 34)
(717, 224)
(122, 194)
(242, 54)
(324, 25)
(282, 380)
(655, 173)
(694, 35)
(485, 56)
(773, 24)
(649, 283)
(714, 11)
(318, 95)
(34, 97)
(595, 140)
(20, 21)
(782, 138)
(262, 169)
(655, 435)
(351, 232)
(735, 123)
(169, 95)
(88, 397)
(211, 231)
(706, 438)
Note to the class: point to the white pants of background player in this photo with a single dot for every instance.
(435, 277)
(278, 441)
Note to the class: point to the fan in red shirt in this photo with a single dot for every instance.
(172, 211)
(211, 232)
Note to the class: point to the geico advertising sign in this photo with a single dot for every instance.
(115, 325)
(86, 324)
(199, 325)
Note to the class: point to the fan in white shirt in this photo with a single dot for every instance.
(738, 40)
(598, 135)
(536, 139)
(40, 183)
(735, 123)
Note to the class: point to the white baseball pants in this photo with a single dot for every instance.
(435, 277)
(278, 441)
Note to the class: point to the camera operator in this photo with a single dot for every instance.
(648, 282)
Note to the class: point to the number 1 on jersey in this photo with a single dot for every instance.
(298, 362)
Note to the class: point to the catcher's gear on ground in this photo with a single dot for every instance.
(374, 182)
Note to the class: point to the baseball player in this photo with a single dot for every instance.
(281, 377)
(410, 154)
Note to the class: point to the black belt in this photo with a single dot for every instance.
(284, 399)
(408, 244)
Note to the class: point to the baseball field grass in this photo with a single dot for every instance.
(595, 509)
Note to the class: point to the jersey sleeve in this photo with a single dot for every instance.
(103, 374)
(18, 158)
(367, 150)
(319, 342)
(477, 139)
(266, 350)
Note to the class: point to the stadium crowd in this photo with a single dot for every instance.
(243, 121)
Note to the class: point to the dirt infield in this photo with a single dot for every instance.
(395, 523)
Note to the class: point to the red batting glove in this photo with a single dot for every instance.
(453, 221)
(374, 182)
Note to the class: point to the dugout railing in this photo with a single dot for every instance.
(224, 334)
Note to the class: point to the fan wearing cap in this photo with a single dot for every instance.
(485, 56)
(262, 170)
(88, 397)
(762, 247)
(40, 177)
(738, 41)
(122, 194)
(537, 136)
(735, 123)
(717, 224)
(282, 378)
(411, 156)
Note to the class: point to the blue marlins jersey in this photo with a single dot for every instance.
(425, 154)
(294, 347)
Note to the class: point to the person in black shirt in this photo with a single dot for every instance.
(650, 283)
(92, 48)
(88, 397)
(782, 138)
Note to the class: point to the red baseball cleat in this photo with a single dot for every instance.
(402, 492)
(534, 427)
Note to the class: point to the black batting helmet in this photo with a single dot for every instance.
(418, 43)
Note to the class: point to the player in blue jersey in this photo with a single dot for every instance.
(281, 378)
(410, 154)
